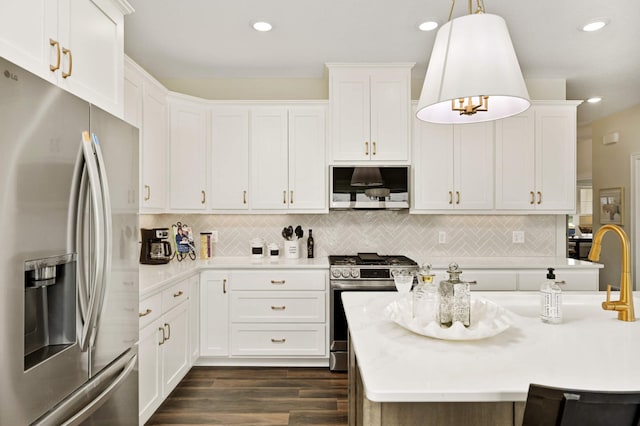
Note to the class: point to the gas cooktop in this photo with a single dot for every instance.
(371, 259)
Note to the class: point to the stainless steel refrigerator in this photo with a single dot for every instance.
(68, 258)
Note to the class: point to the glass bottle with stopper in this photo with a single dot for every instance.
(425, 296)
(455, 299)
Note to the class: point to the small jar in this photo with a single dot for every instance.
(425, 296)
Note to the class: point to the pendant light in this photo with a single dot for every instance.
(473, 73)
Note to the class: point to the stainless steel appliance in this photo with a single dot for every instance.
(69, 289)
(361, 272)
(377, 187)
(155, 249)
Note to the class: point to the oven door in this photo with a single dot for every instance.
(338, 331)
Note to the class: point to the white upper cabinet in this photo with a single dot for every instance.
(145, 106)
(370, 112)
(453, 166)
(288, 158)
(229, 158)
(187, 154)
(536, 159)
(77, 44)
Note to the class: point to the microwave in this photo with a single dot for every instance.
(369, 187)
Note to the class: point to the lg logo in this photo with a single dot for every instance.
(10, 75)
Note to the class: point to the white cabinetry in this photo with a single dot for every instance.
(145, 106)
(187, 153)
(587, 280)
(77, 44)
(370, 111)
(536, 159)
(453, 166)
(194, 318)
(214, 313)
(229, 158)
(288, 158)
(164, 346)
(278, 313)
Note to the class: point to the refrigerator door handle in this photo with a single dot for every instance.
(106, 215)
(59, 415)
(96, 283)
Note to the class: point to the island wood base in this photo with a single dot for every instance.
(363, 412)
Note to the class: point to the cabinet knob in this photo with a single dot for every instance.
(67, 52)
(55, 44)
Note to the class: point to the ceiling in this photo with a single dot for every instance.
(214, 39)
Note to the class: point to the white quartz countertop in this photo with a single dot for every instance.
(591, 349)
(155, 277)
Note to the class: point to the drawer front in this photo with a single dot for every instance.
(586, 280)
(487, 280)
(278, 339)
(175, 295)
(275, 279)
(149, 310)
(278, 306)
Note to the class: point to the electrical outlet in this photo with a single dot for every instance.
(214, 236)
(518, 237)
(442, 237)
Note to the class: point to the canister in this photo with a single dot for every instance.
(205, 245)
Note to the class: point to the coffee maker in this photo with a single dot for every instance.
(155, 249)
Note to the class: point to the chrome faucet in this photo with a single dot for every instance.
(624, 306)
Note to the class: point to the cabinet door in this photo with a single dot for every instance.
(307, 170)
(515, 162)
(390, 101)
(188, 156)
(214, 314)
(473, 166)
(25, 29)
(93, 32)
(154, 147)
(555, 136)
(433, 166)
(194, 319)
(133, 89)
(149, 370)
(230, 158)
(269, 159)
(175, 349)
(350, 115)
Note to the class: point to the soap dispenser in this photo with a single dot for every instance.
(550, 299)
(455, 299)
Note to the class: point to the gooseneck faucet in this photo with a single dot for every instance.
(624, 306)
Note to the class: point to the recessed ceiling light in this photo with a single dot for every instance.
(595, 24)
(262, 26)
(428, 26)
(594, 100)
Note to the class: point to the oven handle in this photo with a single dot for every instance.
(353, 286)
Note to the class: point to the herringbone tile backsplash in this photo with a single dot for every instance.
(384, 232)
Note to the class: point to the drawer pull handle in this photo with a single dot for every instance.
(67, 52)
(168, 327)
(145, 313)
(278, 340)
(244, 197)
(474, 282)
(457, 197)
(279, 282)
(148, 190)
(533, 198)
(366, 148)
(55, 44)
(224, 286)
(450, 197)
(539, 197)
(374, 148)
(278, 308)
(561, 282)
(178, 294)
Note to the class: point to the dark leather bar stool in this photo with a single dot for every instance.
(550, 406)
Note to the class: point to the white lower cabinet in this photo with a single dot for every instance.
(214, 313)
(163, 346)
(587, 280)
(288, 340)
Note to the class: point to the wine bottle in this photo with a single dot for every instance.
(310, 245)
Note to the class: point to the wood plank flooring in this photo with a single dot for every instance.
(256, 396)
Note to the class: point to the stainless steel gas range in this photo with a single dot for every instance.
(361, 272)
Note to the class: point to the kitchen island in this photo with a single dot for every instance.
(397, 377)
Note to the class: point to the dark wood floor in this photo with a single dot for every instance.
(256, 396)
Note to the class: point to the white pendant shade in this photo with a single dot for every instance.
(473, 56)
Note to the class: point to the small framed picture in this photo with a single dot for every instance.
(612, 205)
